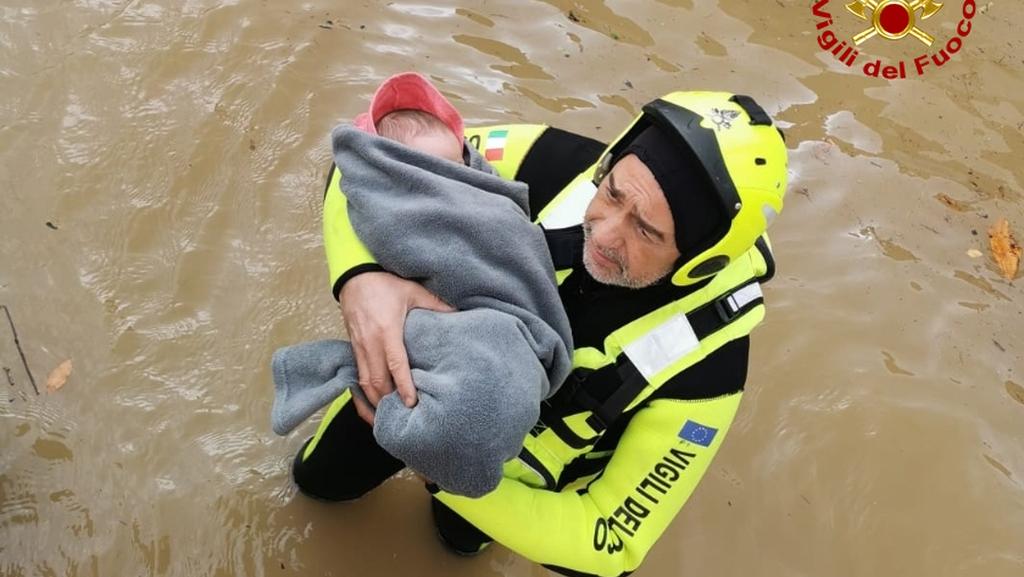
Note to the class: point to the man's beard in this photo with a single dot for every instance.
(621, 277)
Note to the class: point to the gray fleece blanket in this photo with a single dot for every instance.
(480, 373)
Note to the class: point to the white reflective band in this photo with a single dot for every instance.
(666, 344)
(570, 212)
(744, 296)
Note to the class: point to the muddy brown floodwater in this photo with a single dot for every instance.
(161, 172)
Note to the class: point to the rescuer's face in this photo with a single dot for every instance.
(628, 229)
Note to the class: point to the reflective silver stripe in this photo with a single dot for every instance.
(542, 475)
(569, 212)
(744, 296)
(675, 338)
(662, 346)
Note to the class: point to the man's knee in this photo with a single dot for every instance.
(326, 481)
(343, 462)
(456, 533)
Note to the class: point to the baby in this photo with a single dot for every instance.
(427, 207)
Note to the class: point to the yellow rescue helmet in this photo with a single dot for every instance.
(733, 141)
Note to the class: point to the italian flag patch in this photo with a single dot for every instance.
(495, 148)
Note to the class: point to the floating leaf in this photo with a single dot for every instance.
(58, 376)
(1005, 250)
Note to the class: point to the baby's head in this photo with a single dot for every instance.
(422, 131)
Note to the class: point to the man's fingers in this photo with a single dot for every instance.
(373, 374)
(364, 410)
(362, 367)
(430, 301)
(398, 367)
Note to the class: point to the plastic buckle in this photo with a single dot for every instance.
(725, 309)
(596, 423)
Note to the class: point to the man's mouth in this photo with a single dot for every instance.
(604, 261)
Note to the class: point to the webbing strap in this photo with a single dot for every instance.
(536, 466)
(568, 436)
(607, 391)
(758, 117)
(769, 259)
(632, 383)
(681, 334)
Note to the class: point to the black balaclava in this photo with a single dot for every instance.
(696, 212)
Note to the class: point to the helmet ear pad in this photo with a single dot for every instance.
(709, 267)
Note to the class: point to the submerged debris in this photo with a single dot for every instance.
(17, 344)
(58, 376)
(957, 205)
(1005, 249)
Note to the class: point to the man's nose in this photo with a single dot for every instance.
(607, 231)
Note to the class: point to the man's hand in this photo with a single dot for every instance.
(374, 305)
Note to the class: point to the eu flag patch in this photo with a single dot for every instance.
(697, 433)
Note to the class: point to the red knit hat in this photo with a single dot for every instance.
(409, 91)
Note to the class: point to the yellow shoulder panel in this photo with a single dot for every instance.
(505, 145)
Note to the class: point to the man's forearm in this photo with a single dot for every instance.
(608, 527)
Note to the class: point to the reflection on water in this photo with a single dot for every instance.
(162, 172)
